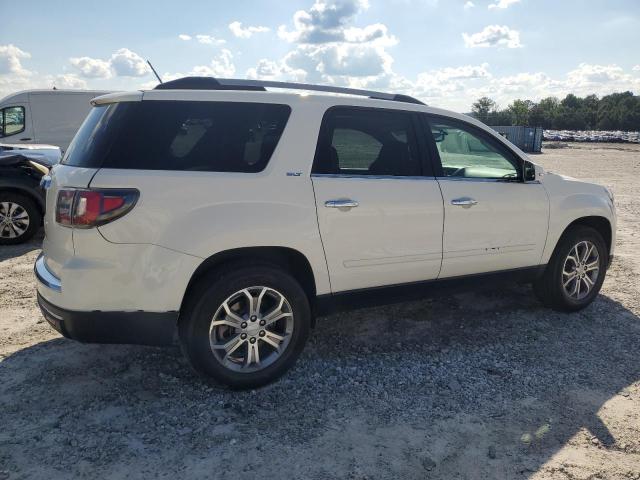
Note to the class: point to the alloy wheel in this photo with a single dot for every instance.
(14, 220)
(580, 270)
(251, 329)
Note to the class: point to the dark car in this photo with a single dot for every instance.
(22, 200)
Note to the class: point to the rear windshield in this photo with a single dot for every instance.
(176, 135)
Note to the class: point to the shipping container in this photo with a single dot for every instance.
(527, 139)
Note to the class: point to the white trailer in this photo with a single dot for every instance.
(44, 116)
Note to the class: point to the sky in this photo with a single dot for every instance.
(448, 53)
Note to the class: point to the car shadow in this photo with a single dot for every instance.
(11, 251)
(482, 385)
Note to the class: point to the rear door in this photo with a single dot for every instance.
(493, 220)
(379, 207)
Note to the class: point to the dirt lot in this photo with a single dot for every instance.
(487, 385)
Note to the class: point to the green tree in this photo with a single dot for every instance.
(483, 108)
(520, 110)
(617, 111)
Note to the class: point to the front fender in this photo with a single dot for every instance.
(24, 184)
(566, 210)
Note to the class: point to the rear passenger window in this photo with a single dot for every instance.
(367, 142)
(175, 135)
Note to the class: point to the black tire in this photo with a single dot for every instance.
(208, 296)
(549, 287)
(32, 210)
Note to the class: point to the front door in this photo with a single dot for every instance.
(380, 212)
(493, 220)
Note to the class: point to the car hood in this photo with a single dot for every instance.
(47, 155)
(41, 165)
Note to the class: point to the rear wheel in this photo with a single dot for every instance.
(245, 326)
(575, 272)
(19, 218)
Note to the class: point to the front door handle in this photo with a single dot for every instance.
(341, 203)
(464, 202)
(25, 139)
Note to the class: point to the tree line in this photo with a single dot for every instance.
(618, 111)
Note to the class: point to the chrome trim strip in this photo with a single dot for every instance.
(371, 262)
(368, 177)
(44, 276)
(483, 180)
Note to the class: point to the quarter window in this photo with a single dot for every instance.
(179, 135)
(11, 121)
(465, 152)
(367, 142)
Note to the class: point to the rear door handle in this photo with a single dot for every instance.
(341, 203)
(25, 139)
(464, 202)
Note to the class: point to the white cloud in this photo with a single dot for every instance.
(600, 79)
(245, 32)
(92, 67)
(10, 60)
(376, 33)
(468, 4)
(464, 72)
(13, 82)
(123, 63)
(269, 70)
(502, 4)
(209, 40)
(493, 36)
(329, 48)
(185, 37)
(126, 63)
(636, 68)
(220, 66)
(66, 80)
(323, 22)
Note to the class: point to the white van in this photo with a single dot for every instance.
(44, 116)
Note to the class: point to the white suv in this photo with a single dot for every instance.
(232, 217)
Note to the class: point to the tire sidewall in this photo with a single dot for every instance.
(35, 217)
(567, 244)
(195, 332)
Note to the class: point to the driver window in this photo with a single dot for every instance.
(11, 121)
(464, 153)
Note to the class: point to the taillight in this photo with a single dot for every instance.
(64, 205)
(95, 207)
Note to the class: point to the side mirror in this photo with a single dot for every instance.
(528, 171)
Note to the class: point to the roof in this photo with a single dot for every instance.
(52, 92)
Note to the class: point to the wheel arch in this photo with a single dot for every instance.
(27, 192)
(289, 259)
(599, 223)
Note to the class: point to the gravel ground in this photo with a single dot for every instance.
(480, 385)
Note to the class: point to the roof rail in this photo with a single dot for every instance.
(210, 83)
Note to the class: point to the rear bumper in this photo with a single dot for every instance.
(140, 328)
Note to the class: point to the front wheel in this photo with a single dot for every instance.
(245, 326)
(575, 272)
